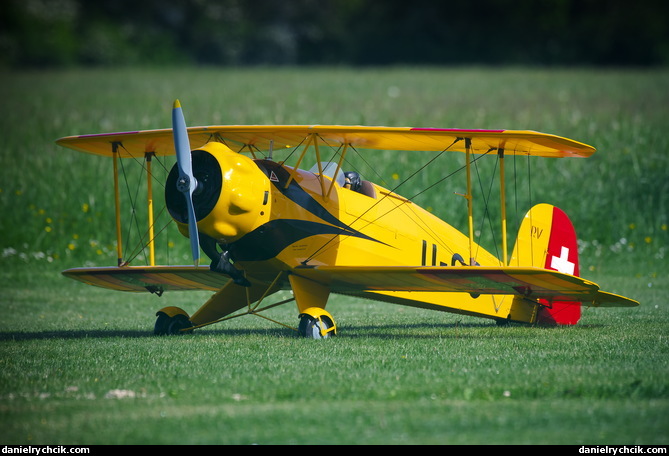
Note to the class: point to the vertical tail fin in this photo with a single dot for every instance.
(547, 239)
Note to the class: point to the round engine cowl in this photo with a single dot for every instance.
(231, 195)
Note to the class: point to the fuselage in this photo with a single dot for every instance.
(350, 228)
(273, 218)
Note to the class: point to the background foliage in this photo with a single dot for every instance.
(358, 32)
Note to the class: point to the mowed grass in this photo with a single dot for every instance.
(79, 365)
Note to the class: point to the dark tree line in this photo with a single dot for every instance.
(42, 33)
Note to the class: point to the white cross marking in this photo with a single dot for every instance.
(562, 263)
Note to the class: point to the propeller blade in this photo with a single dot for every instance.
(186, 183)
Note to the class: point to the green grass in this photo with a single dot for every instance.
(79, 365)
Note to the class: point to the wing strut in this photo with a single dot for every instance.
(339, 163)
(149, 203)
(293, 172)
(148, 156)
(502, 196)
(468, 196)
(117, 205)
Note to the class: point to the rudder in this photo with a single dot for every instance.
(547, 239)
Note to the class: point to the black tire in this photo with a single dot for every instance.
(177, 323)
(166, 325)
(162, 322)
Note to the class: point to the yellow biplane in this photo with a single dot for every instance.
(267, 226)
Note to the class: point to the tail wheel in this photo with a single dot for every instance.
(171, 325)
(318, 326)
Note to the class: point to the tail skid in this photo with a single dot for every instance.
(547, 239)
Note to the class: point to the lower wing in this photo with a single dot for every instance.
(155, 279)
(533, 283)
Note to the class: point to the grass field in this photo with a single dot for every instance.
(79, 365)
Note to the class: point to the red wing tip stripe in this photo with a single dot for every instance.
(102, 135)
(458, 130)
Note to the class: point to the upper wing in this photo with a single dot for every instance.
(264, 137)
(131, 143)
(533, 283)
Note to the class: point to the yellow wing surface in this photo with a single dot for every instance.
(278, 137)
(533, 283)
(155, 279)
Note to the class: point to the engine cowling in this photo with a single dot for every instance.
(231, 198)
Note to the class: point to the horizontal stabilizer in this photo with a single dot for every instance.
(606, 299)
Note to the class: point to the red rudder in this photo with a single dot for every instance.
(562, 256)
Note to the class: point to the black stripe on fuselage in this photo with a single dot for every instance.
(271, 238)
(297, 194)
(268, 240)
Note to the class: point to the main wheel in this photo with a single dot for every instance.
(177, 324)
(160, 328)
(166, 325)
(315, 327)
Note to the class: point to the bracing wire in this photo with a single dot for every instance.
(411, 176)
(133, 213)
(143, 241)
(486, 199)
(448, 176)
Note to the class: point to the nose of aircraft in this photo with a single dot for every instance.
(230, 198)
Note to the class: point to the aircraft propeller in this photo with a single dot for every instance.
(186, 183)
